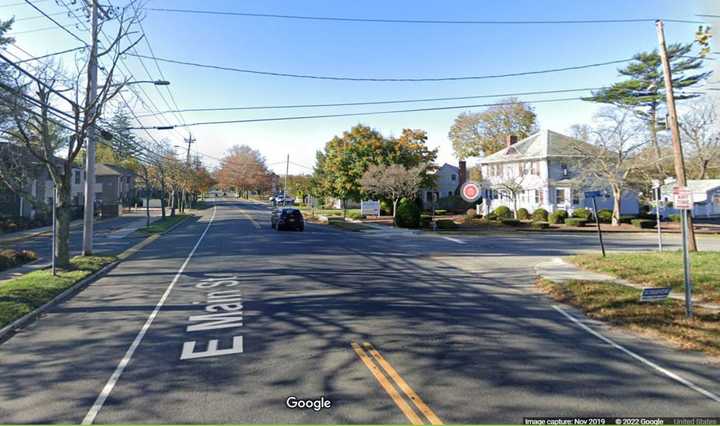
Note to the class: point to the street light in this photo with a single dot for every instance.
(155, 82)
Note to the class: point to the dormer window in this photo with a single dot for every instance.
(565, 171)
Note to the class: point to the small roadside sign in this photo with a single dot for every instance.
(593, 194)
(682, 198)
(370, 208)
(470, 191)
(654, 294)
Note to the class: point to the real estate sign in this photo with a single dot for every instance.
(370, 208)
(682, 198)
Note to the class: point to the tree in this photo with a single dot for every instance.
(341, 165)
(701, 132)
(643, 91)
(393, 182)
(613, 159)
(483, 133)
(55, 140)
(244, 170)
(513, 187)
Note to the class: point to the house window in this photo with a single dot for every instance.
(77, 177)
(428, 196)
(535, 168)
(560, 196)
(564, 168)
(450, 193)
(453, 178)
(575, 197)
(538, 199)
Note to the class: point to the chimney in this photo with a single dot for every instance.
(511, 140)
(463, 172)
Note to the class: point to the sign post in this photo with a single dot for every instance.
(657, 191)
(593, 195)
(682, 200)
(54, 231)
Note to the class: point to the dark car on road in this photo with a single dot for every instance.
(287, 218)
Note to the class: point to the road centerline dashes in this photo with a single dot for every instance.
(382, 370)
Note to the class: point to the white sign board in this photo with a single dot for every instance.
(682, 198)
(370, 208)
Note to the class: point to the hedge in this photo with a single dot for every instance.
(408, 214)
(675, 218)
(575, 221)
(582, 214)
(605, 216)
(643, 223)
(446, 224)
(558, 216)
(510, 222)
(540, 215)
(540, 225)
(503, 212)
(440, 212)
(523, 214)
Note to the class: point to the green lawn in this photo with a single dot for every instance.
(162, 225)
(661, 270)
(22, 295)
(619, 305)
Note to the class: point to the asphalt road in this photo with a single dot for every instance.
(459, 335)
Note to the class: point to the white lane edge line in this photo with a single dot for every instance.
(640, 358)
(454, 240)
(100, 401)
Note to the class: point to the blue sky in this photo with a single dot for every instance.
(369, 50)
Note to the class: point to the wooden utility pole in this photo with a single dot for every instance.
(674, 128)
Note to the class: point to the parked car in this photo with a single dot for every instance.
(287, 218)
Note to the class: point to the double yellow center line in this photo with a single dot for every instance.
(385, 373)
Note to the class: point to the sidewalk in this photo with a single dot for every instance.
(559, 271)
(109, 232)
(32, 233)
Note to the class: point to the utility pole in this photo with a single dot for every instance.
(189, 141)
(91, 109)
(674, 129)
(287, 170)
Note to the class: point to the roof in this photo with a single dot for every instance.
(446, 166)
(542, 144)
(102, 169)
(697, 186)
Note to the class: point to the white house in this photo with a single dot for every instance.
(705, 195)
(545, 167)
(447, 180)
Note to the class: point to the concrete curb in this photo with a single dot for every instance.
(12, 328)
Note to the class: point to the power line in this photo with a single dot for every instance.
(385, 102)
(51, 54)
(353, 114)
(22, 3)
(48, 16)
(384, 79)
(419, 21)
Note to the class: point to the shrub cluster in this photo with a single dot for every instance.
(355, 215)
(558, 216)
(540, 225)
(583, 214)
(675, 218)
(446, 224)
(503, 212)
(510, 222)
(10, 258)
(408, 214)
(575, 221)
(605, 216)
(454, 204)
(540, 215)
(523, 214)
(643, 223)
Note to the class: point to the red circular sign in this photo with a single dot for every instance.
(470, 191)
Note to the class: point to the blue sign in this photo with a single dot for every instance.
(593, 194)
(654, 294)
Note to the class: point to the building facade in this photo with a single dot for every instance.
(544, 170)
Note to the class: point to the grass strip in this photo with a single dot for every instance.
(20, 296)
(660, 270)
(162, 225)
(619, 306)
